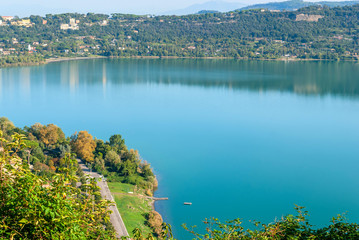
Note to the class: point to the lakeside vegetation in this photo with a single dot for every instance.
(39, 174)
(313, 32)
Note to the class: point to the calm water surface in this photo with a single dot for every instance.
(236, 138)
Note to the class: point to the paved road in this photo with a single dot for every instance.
(115, 216)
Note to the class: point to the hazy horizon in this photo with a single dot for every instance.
(23, 8)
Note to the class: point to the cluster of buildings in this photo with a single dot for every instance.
(23, 22)
(5, 19)
(18, 47)
(6, 52)
(73, 25)
(10, 20)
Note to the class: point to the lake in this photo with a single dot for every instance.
(244, 139)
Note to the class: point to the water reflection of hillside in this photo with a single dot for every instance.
(304, 78)
(308, 78)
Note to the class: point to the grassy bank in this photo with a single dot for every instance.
(133, 207)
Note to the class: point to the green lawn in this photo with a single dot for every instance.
(116, 187)
(131, 208)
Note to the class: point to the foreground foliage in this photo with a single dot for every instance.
(288, 227)
(35, 207)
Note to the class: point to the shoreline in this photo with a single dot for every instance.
(285, 59)
(64, 59)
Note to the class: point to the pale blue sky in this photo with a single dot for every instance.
(27, 7)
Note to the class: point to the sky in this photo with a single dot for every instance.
(25, 8)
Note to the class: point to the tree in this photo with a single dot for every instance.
(6, 125)
(117, 141)
(101, 148)
(128, 168)
(36, 19)
(35, 129)
(83, 145)
(155, 221)
(146, 170)
(64, 149)
(50, 134)
(112, 158)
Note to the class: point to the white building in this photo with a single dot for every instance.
(73, 25)
(72, 21)
(103, 23)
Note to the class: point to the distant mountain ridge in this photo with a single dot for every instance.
(211, 6)
(296, 4)
(207, 11)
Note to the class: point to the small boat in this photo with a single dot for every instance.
(187, 203)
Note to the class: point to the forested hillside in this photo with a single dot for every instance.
(309, 33)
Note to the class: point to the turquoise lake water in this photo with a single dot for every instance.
(242, 139)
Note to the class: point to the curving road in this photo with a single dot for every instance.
(115, 216)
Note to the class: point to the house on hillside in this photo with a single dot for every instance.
(73, 25)
(7, 18)
(103, 23)
(25, 23)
